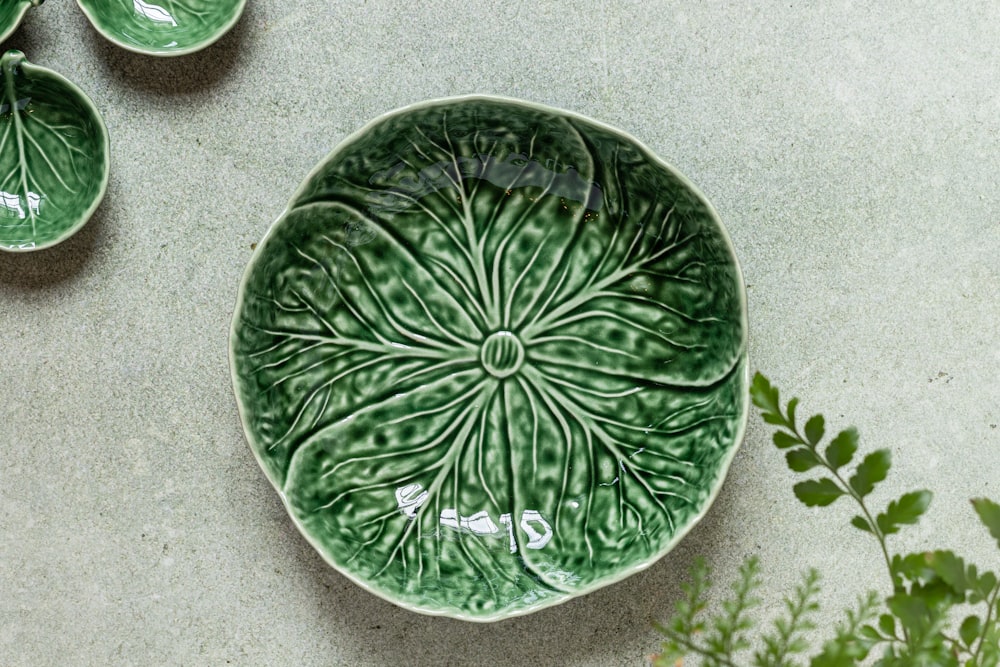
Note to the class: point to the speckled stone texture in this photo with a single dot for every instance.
(851, 152)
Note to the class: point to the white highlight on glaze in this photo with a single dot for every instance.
(536, 540)
(479, 523)
(19, 105)
(153, 12)
(34, 201)
(13, 203)
(411, 497)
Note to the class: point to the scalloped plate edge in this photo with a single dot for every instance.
(725, 462)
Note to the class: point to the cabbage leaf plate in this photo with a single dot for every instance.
(492, 356)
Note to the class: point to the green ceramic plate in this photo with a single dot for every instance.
(12, 13)
(53, 156)
(492, 356)
(163, 27)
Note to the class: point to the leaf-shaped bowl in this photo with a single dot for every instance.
(492, 356)
(53, 156)
(12, 13)
(163, 27)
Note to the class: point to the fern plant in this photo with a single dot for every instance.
(942, 612)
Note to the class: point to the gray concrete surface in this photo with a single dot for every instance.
(852, 152)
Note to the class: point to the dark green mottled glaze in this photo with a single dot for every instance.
(12, 13)
(493, 356)
(53, 156)
(163, 27)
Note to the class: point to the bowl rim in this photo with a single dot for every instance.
(17, 18)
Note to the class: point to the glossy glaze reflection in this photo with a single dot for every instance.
(163, 27)
(53, 156)
(492, 356)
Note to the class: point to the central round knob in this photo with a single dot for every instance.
(502, 354)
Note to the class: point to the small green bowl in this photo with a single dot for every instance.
(163, 27)
(12, 13)
(53, 156)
